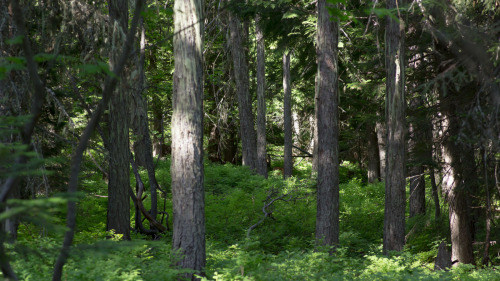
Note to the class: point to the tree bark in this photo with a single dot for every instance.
(240, 67)
(373, 155)
(261, 101)
(118, 217)
(327, 217)
(454, 189)
(187, 136)
(395, 182)
(287, 108)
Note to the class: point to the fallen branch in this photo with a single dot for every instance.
(270, 201)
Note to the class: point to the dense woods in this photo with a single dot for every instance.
(249, 140)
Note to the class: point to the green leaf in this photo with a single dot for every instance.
(290, 15)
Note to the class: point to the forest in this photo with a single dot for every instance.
(249, 140)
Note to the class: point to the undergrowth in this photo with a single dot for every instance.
(242, 242)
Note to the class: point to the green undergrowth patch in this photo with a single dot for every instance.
(256, 229)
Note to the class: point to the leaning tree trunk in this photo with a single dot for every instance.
(327, 217)
(118, 218)
(261, 101)
(240, 67)
(395, 182)
(287, 108)
(187, 136)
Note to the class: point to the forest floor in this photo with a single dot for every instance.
(280, 247)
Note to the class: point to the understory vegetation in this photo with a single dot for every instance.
(279, 245)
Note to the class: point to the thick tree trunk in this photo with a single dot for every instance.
(373, 155)
(240, 67)
(327, 217)
(187, 136)
(287, 108)
(118, 218)
(261, 101)
(455, 191)
(395, 182)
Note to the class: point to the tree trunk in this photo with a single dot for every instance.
(142, 146)
(261, 101)
(240, 67)
(373, 155)
(395, 182)
(118, 218)
(417, 151)
(287, 108)
(187, 136)
(455, 191)
(327, 217)
(381, 140)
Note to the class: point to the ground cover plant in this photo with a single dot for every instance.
(281, 247)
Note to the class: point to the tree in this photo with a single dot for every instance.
(187, 136)
(261, 100)
(240, 68)
(395, 182)
(287, 120)
(327, 217)
(119, 167)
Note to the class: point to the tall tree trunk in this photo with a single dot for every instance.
(417, 153)
(240, 67)
(327, 217)
(142, 146)
(287, 108)
(118, 218)
(373, 155)
(261, 101)
(187, 136)
(395, 183)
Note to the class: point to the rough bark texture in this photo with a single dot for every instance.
(395, 182)
(240, 67)
(327, 217)
(373, 155)
(261, 101)
(118, 218)
(187, 136)
(287, 120)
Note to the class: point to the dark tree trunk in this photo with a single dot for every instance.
(261, 101)
(142, 146)
(327, 217)
(417, 150)
(287, 108)
(395, 182)
(187, 136)
(373, 155)
(240, 67)
(118, 218)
